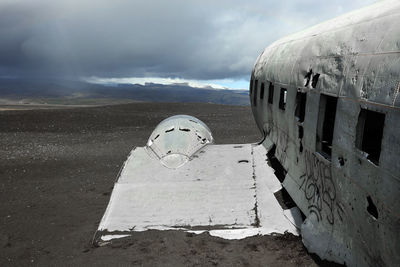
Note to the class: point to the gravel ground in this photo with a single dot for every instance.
(57, 170)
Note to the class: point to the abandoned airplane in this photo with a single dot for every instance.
(327, 101)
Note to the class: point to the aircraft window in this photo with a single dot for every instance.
(282, 99)
(300, 111)
(262, 91)
(326, 124)
(255, 93)
(271, 93)
(251, 87)
(369, 133)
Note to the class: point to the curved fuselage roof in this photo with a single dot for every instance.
(327, 101)
(357, 55)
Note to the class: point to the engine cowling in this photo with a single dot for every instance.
(177, 138)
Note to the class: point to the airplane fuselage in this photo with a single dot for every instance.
(326, 99)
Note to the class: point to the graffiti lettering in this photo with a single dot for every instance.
(319, 189)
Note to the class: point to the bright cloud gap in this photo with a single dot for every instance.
(241, 84)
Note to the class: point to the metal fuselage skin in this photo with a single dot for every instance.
(328, 99)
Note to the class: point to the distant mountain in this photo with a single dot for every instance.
(80, 91)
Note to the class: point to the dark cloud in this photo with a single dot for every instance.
(175, 38)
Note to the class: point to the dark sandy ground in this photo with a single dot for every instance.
(57, 170)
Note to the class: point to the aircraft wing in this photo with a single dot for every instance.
(227, 190)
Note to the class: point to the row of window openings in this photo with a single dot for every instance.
(262, 91)
(370, 124)
(310, 77)
(282, 96)
(369, 129)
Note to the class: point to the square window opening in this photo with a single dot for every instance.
(282, 99)
(369, 133)
(326, 124)
(300, 111)
(262, 91)
(255, 93)
(271, 93)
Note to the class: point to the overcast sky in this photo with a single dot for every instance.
(201, 41)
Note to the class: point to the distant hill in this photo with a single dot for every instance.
(73, 92)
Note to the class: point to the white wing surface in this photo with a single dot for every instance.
(227, 190)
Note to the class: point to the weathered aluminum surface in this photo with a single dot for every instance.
(227, 190)
(357, 57)
(176, 138)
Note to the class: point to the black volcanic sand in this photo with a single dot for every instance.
(57, 170)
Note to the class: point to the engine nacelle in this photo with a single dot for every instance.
(177, 138)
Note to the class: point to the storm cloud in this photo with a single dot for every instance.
(199, 40)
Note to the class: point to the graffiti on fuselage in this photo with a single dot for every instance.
(320, 190)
